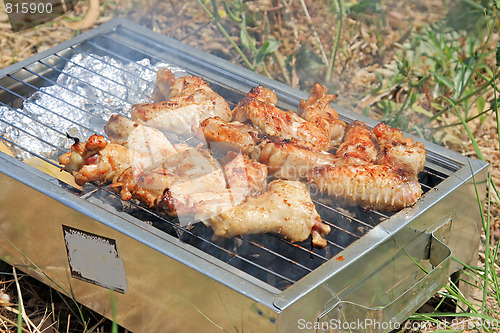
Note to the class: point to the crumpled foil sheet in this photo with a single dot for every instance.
(87, 92)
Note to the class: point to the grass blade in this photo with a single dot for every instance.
(114, 325)
(467, 129)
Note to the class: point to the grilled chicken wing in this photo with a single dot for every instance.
(171, 193)
(245, 177)
(238, 178)
(194, 103)
(385, 181)
(244, 173)
(146, 187)
(98, 160)
(168, 86)
(359, 145)
(288, 160)
(280, 124)
(371, 186)
(234, 135)
(187, 172)
(263, 94)
(403, 155)
(317, 109)
(286, 208)
(193, 185)
(140, 138)
(291, 160)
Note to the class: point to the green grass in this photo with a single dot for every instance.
(441, 71)
(242, 19)
(466, 75)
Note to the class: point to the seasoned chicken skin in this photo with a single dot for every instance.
(244, 173)
(288, 160)
(293, 161)
(190, 171)
(194, 103)
(98, 160)
(384, 178)
(243, 177)
(284, 125)
(359, 145)
(286, 208)
(317, 109)
(193, 184)
(145, 186)
(123, 131)
(234, 135)
(168, 86)
(264, 95)
(402, 154)
(371, 186)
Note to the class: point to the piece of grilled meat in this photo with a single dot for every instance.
(141, 138)
(402, 154)
(98, 160)
(285, 208)
(190, 101)
(233, 136)
(359, 145)
(317, 109)
(387, 181)
(168, 86)
(371, 186)
(289, 160)
(279, 124)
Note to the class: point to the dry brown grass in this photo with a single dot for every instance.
(41, 309)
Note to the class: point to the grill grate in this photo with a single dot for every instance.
(269, 258)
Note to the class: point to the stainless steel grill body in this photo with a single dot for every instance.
(171, 279)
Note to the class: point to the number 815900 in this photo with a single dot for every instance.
(28, 7)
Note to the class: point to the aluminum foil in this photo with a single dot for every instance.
(88, 91)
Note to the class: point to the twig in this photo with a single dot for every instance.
(69, 320)
(92, 329)
(315, 34)
(42, 321)
(3, 324)
(91, 16)
(53, 310)
(20, 301)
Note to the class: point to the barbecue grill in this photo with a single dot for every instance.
(376, 270)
